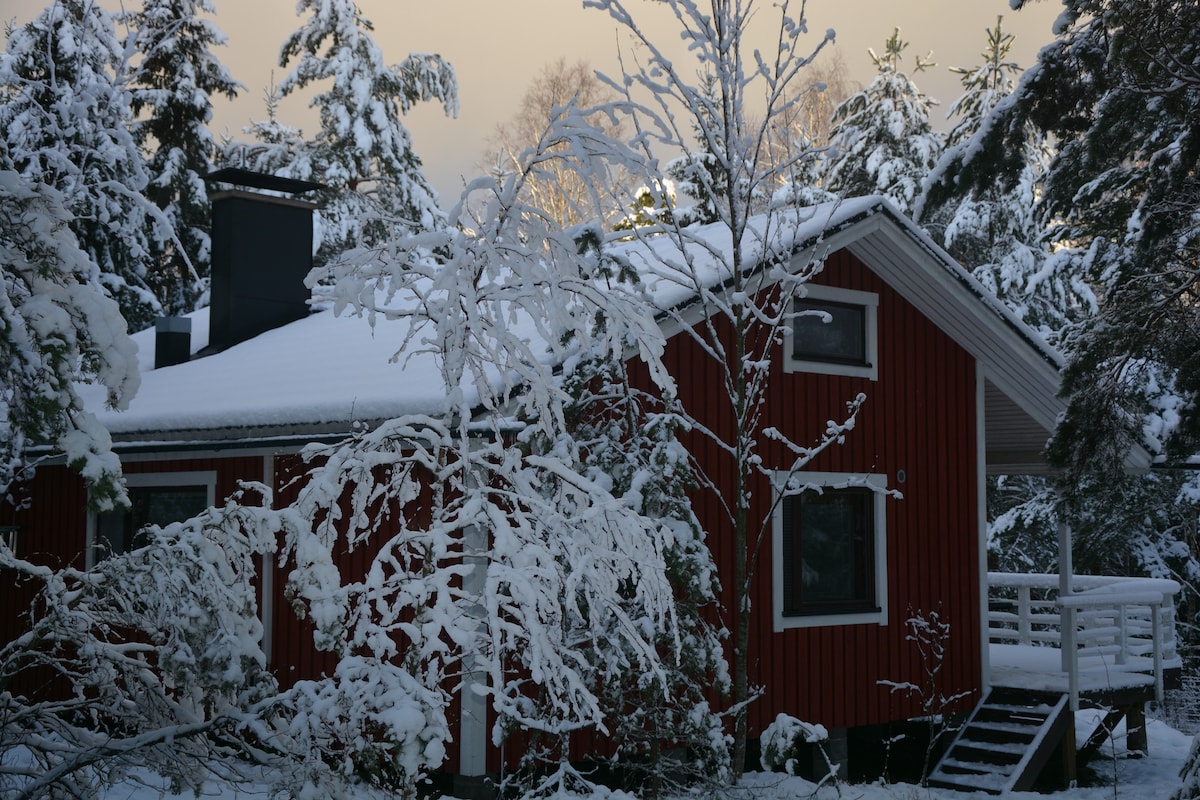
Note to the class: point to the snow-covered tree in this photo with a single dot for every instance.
(173, 84)
(65, 122)
(1190, 789)
(58, 327)
(698, 173)
(152, 659)
(744, 311)
(502, 560)
(998, 231)
(1120, 196)
(1114, 91)
(362, 153)
(882, 139)
(663, 733)
(275, 143)
(560, 187)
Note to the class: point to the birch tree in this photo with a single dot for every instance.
(742, 281)
(559, 186)
(500, 550)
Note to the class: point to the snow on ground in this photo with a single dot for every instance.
(1155, 777)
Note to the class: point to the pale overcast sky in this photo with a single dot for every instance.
(498, 46)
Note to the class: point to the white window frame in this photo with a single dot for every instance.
(833, 294)
(205, 478)
(833, 480)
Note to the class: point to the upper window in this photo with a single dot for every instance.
(830, 548)
(155, 499)
(833, 332)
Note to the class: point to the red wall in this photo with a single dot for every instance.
(919, 417)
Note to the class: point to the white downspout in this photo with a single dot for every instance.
(266, 600)
(473, 708)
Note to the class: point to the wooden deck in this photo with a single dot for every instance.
(1107, 642)
(1109, 637)
(1039, 669)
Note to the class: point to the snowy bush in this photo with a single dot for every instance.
(1190, 790)
(371, 721)
(781, 739)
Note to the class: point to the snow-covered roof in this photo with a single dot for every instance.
(317, 376)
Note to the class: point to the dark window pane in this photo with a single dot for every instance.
(828, 552)
(117, 531)
(843, 339)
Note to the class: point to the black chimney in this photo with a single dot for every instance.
(261, 253)
(172, 341)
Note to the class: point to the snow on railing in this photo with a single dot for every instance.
(1106, 625)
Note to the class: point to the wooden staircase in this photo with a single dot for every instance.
(1005, 743)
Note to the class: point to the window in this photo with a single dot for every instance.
(155, 499)
(830, 552)
(833, 333)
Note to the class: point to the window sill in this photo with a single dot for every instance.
(831, 368)
(871, 617)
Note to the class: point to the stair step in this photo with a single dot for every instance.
(1014, 748)
(1003, 714)
(954, 769)
(1009, 731)
(953, 766)
(1036, 708)
(1004, 743)
(985, 753)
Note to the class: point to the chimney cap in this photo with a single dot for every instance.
(260, 180)
(173, 325)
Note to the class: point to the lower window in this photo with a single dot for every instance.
(830, 548)
(155, 499)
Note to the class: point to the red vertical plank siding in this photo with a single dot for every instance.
(52, 530)
(53, 525)
(919, 417)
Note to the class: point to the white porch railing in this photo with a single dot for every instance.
(1106, 628)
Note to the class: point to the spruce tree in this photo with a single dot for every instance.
(1118, 92)
(996, 230)
(173, 86)
(363, 153)
(663, 731)
(882, 140)
(698, 174)
(65, 122)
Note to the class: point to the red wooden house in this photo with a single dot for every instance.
(957, 388)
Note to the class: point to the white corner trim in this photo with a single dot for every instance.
(831, 480)
(870, 303)
(985, 654)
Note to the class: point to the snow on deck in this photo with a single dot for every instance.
(1040, 669)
